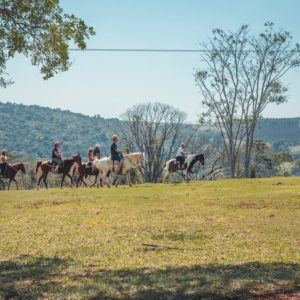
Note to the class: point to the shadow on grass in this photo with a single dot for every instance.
(31, 278)
(28, 277)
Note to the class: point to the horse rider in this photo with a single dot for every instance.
(116, 154)
(56, 156)
(96, 151)
(181, 155)
(3, 162)
(91, 159)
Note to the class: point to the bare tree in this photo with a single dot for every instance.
(270, 58)
(240, 77)
(152, 128)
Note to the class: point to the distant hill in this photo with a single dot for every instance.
(31, 130)
(274, 130)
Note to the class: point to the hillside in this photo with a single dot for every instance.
(31, 130)
(275, 130)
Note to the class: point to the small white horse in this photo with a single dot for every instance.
(172, 167)
(131, 161)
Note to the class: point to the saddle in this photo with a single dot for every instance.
(177, 165)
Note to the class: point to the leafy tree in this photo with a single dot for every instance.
(240, 77)
(40, 30)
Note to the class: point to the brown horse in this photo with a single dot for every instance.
(64, 168)
(11, 172)
(172, 166)
(84, 171)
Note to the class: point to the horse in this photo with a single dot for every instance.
(84, 172)
(11, 172)
(131, 161)
(64, 168)
(172, 166)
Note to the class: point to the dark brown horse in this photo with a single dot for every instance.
(84, 171)
(64, 168)
(11, 172)
(172, 166)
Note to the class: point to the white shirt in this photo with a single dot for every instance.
(180, 152)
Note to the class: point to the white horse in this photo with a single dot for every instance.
(172, 167)
(131, 161)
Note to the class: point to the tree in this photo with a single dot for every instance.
(153, 129)
(40, 30)
(240, 77)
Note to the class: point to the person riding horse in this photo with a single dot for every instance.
(56, 157)
(91, 160)
(180, 156)
(3, 162)
(96, 151)
(116, 154)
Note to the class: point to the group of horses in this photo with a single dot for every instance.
(101, 169)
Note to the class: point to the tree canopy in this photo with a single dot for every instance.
(40, 30)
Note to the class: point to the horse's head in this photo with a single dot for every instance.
(200, 157)
(142, 159)
(22, 168)
(78, 158)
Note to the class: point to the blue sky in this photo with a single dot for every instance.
(109, 83)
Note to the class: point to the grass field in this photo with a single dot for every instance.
(211, 240)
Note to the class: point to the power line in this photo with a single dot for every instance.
(153, 50)
(137, 50)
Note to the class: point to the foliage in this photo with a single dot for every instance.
(226, 239)
(266, 163)
(39, 29)
(240, 77)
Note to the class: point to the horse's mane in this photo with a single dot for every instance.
(71, 157)
(15, 164)
(134, 154)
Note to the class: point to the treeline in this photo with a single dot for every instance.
(30, 131)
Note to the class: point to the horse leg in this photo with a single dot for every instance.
(45, 182)
(39, 181)
(8, 187)
(62, 180)
(166, 177)
(128, 177)
(80, 178)
(104, 178)
(96, 177)
(15, 181)
(70, 179)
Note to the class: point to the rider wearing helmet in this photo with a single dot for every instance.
(181, 155)
(96, 151)
(116, 154)
(56, 156)
(90, 159)
(3, 162)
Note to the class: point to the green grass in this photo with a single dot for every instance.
(215, 240)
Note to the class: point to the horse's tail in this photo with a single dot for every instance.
(39, 163)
